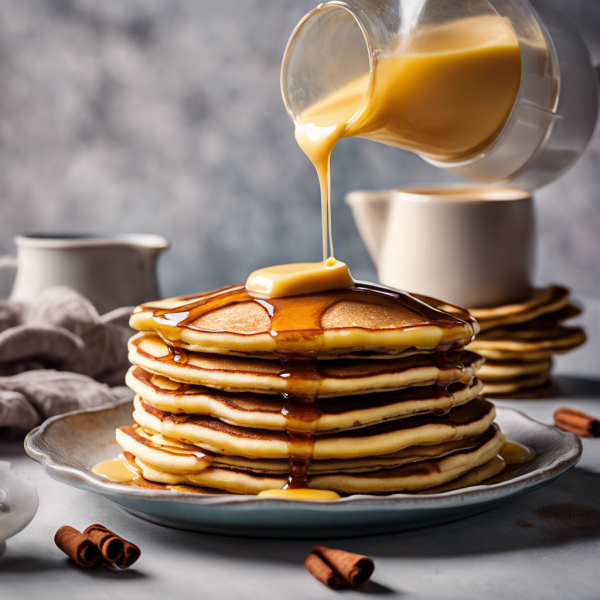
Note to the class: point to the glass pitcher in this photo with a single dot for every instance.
(453, 107)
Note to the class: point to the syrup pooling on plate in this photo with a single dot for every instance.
(125, 470)
(115, 470)
(303, 494)
(514, 453)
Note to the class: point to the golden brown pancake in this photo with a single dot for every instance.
(510, 386)
(555, 318)
(211, 434)
(325, 379)
(266, 411)
(546, 389)
(174, 456)
(475, 476)
(410, 477)
(369, 319)
(502, 370)
(527, 342)
(542, 301)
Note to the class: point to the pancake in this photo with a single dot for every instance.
(475, 476)
(174, 456)
(509, 386)
(211, 434)
(308, 378)
(545, 390)
(501, 370)
(410, 477)
(266, 411)
(503, 355)
(555, 318)
(527, 342)
(368, 320)
(542, 301)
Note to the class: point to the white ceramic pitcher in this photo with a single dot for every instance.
(467, 245)
(109, 271)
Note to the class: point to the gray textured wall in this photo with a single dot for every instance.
(165, 116)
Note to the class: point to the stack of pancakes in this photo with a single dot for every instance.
(365, 390)
(519, 340)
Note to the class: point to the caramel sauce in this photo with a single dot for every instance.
(126, 471)
(443, 391)
(175, 354)
(514, 453)
(445, 362)
(116, 470)
(303, 494)
(303, 380)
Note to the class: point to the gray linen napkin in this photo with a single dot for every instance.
(58, 354)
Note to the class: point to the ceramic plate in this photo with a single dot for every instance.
(69, 446)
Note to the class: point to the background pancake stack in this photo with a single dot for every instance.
(519, 340)
(366, 390)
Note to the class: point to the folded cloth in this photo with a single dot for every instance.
(58, 354)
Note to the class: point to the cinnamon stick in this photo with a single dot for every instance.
(320, 570)
(130, 551)
(576, 421)
(111, 547)
(79, 547)
(336, 567)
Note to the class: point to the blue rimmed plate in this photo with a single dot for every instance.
(68, 447)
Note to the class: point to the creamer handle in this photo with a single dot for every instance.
(8, 262)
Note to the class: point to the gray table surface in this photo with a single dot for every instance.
(543, 545)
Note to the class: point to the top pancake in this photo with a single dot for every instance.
(367, 321)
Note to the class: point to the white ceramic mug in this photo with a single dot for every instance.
(471, 246)
(109, 271)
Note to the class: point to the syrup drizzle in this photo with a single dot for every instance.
(303, 380)
(175, 354)
(299, 319)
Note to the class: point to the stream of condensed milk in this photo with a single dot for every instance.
(444, 96)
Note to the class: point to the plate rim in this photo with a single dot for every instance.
(76, 477)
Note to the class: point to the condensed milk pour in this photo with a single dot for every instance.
(445, 94)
